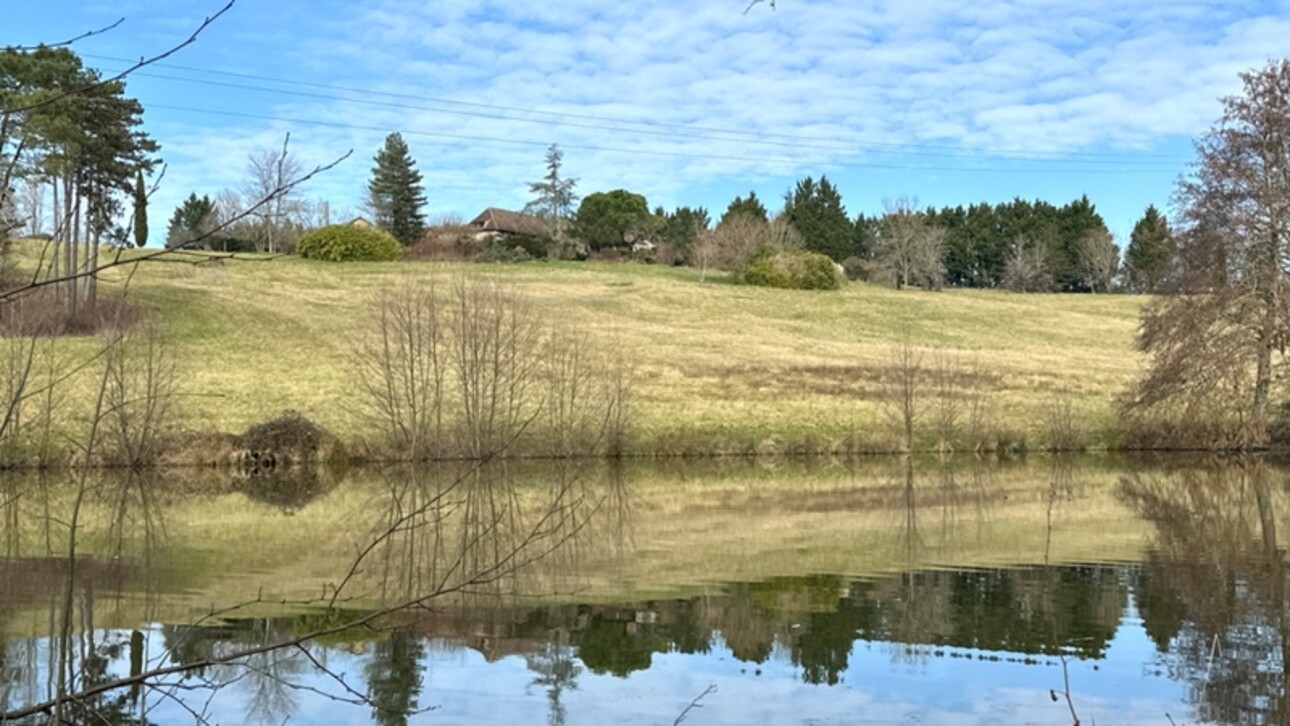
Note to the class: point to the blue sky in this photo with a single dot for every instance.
(688, 102)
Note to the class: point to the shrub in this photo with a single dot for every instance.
(855, 268)
(285, 440)
(861, 270)
(792, 270)
(502, 250)
(343, 243)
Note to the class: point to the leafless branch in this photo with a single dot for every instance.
(71, 41)
(695, 703)
(141, 63)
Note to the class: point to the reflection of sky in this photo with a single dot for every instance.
(882, 685)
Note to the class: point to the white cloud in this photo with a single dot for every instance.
(831, 83)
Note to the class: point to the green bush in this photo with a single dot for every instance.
(346, 243)
(791, 270)
(502, 250)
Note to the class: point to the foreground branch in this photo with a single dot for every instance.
(141, 63)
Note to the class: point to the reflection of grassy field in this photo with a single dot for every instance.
(656, 533)
(718, 365)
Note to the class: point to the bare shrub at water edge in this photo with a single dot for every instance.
(904, 388)
(476, 368)
(141, 382)
(977, 407)
(621, 373)
(1062, 432)
(495, 351)
(947, 406)
(402, 365)
(588, 396)
(31, 399)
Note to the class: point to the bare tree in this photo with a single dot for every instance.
(271, 169)
(734, 241)
(1027, 268)
(1099, 259)
(912, 249)
(1216, 347)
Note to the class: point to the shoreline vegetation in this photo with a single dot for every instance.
(429, 360)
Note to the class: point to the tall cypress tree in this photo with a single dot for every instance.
(140, 210)
(395, 192)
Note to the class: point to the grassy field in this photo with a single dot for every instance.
(719, 367)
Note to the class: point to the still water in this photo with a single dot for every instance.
(961, 591)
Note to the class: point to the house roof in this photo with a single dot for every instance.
(501, 220)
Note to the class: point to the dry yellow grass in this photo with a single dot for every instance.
(718, 365)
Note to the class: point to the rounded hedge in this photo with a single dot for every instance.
(792, 270)
(347, 243)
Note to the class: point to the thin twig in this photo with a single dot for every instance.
(69, 41)
(695, 703)
(142, 62)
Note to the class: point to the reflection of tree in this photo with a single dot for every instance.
(557, 671)
(823, 649)
(1162, 610)
(437, 527)
(1214, 586)
(394, 677)
(747, 626)
(269, 676)
(616, 646)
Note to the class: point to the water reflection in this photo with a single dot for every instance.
(1212, 590)
(562, 581)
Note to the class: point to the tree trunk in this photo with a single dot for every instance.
(1268, 329)
(58, 231)
(74, 255)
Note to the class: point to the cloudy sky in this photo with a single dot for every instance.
(688, 102)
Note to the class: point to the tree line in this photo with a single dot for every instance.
(73, 137)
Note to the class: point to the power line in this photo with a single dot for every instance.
(758, 137)
(639, 152)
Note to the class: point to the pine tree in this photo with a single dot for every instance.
(140, 211)
(816, 212)
(395, 192)
(191, 220)
(751, 206)
(553, 197)
(1150, 250)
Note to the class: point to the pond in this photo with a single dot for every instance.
(1106, 590)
